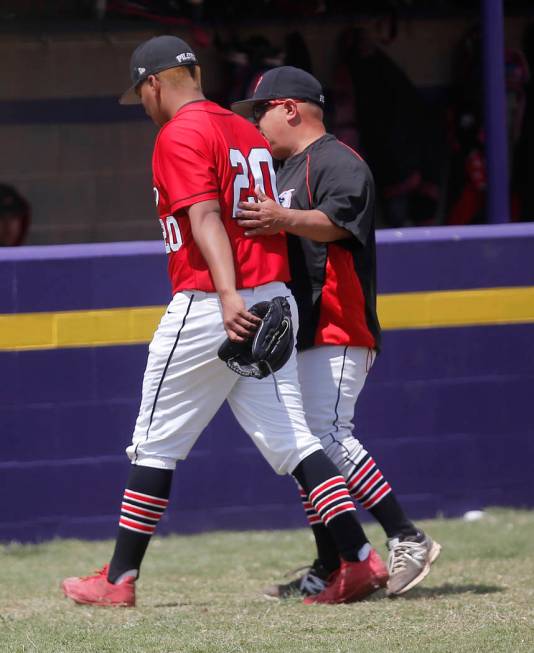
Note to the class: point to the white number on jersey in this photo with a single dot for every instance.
(171, 234)
(252, 167)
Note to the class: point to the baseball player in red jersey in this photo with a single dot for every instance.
(327, 197)
(206, 160)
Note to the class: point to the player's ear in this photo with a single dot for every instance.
(153, 82)
(291, 110)
(198, 77)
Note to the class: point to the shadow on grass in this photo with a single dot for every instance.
(199, 606)
(448, 589)
(419, 593)
(171, 604)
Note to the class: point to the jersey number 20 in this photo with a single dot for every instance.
(259, 166)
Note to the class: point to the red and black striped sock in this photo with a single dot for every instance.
(327, 552)
(369, 487)
(367, 484)
(312, 517)
(330, 498)
(145, 499)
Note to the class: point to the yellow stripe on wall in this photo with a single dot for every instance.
(128, 326)
(117, 326)
(450, 308)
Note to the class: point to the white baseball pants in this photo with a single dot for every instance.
(331, 379)
(185, 383)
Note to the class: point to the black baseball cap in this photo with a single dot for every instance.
(153, 56)
(280, 83)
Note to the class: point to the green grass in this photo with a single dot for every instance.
(200, 594)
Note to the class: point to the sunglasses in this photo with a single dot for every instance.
(261, 108)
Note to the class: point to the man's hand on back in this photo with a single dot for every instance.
(262, 218)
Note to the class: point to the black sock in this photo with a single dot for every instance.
(328, 493)
(327, 553)
(145, 499)
(390, 515)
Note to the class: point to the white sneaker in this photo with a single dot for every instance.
(409, 561)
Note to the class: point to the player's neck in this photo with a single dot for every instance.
(306, 137)
(181, 99)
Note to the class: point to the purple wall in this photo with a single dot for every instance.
(446, 412)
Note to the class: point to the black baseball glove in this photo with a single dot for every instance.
(271, 346)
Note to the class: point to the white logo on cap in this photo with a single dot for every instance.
(321, 98)
(141, 70)
(185, 56)
(257, 84)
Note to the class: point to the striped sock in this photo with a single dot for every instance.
(369, 487)
(333, 503)
(312, 517)
(327, 553)
(145, 498)
(331, 498)
(367, 484)
(141, 512)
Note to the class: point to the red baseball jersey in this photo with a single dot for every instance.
(206, 152)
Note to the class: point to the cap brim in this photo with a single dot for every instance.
(244, 107)
(130, 96)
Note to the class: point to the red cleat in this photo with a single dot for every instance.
(97, 590)
(353, 581)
